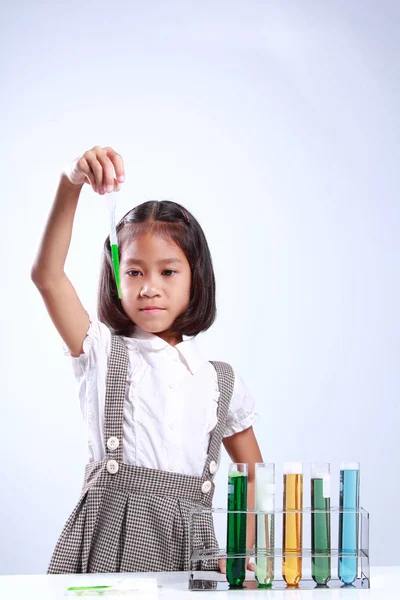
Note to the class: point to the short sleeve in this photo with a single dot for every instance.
(241, 413)
(96, 347)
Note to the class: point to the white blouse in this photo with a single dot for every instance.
(170, 403)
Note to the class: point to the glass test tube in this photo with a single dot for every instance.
(320, 522)
(236, 525)
(265, 523)
(292, 523)
(348, 521)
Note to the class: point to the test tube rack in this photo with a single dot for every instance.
(204, 573)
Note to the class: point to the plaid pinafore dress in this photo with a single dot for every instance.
(131, 518)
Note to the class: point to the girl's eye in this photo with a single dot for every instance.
(165, 271)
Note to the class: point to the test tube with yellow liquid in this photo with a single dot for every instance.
(292, 543)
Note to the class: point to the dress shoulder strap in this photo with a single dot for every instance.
(226, 381)
(117, 371)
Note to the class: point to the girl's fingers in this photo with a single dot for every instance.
(117, 162)
(107, 184)
(85, 168)
(222, 565)
(104, 161)
(96, 168)
(103, 168)
(76, 172)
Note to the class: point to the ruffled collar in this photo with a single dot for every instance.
(188, 348)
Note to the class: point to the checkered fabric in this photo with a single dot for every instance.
(137, 519)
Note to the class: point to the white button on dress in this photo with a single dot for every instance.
(112, 443)
(112, 466)
(213, 467)
(206, 487)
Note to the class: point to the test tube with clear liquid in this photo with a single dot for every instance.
(265, 523)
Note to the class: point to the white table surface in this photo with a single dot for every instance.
(385, 585)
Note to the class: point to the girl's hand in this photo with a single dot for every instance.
(222, 564)
(102, 168)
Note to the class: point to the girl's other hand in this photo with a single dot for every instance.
(102, 168)
(250, 566)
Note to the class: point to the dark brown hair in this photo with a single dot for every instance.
(173, 222)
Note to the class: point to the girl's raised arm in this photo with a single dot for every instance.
(96, 167)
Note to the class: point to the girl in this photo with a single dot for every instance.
(156, 410)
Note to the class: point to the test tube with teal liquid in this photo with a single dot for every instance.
(349, 505)
(265, 523)
(236, 524)
(320, 522)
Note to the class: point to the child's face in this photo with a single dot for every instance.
(147, 281)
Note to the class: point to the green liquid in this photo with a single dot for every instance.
(90, 590)
(320, 534)
(115, 260)
(236, 534)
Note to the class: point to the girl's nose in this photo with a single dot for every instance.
(149, 289)
(148, 293)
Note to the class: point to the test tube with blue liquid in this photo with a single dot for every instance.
(349, 503)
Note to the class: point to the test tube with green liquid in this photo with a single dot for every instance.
(320, 522)
(112, 203)
(265, 523)
(236, 524)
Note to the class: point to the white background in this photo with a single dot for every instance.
(277, 125)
